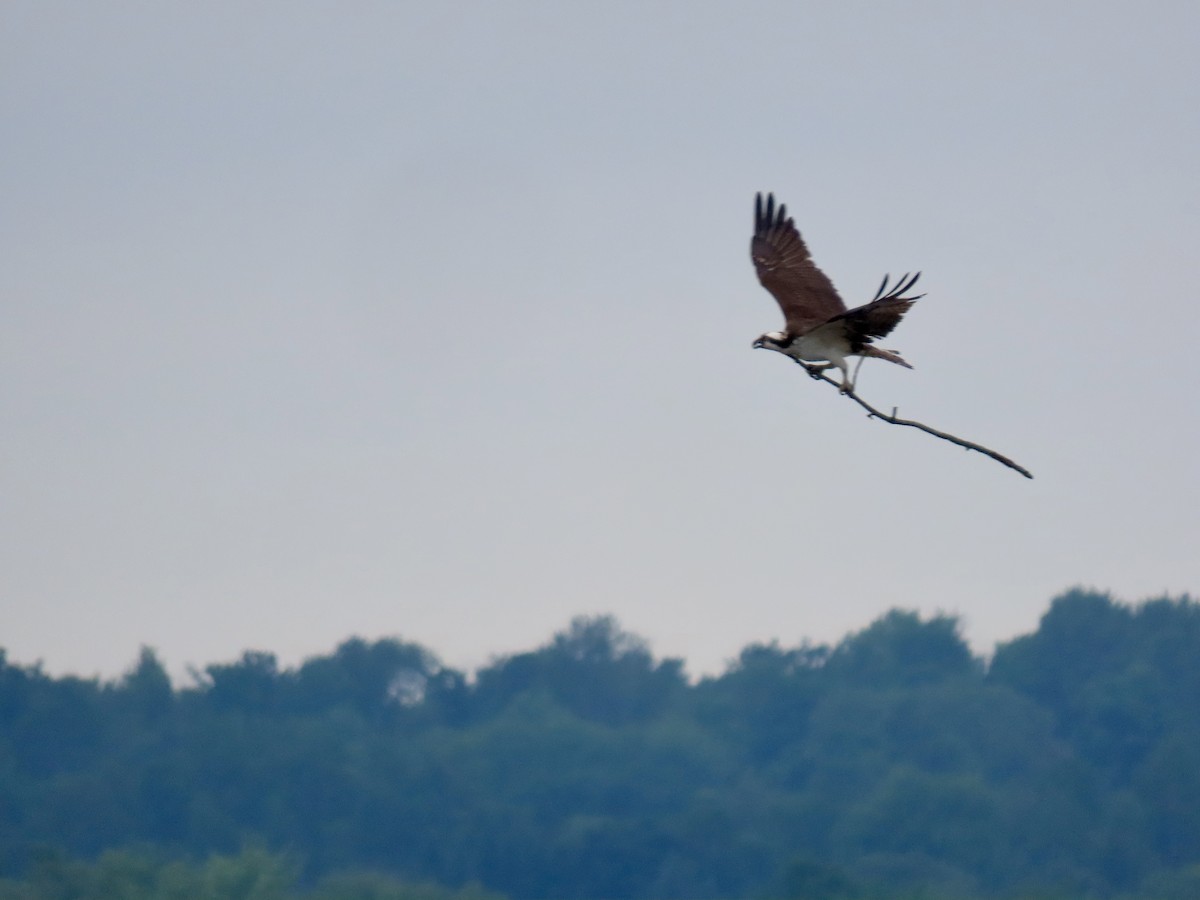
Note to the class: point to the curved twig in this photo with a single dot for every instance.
(872, 413)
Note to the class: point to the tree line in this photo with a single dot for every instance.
(892, 763)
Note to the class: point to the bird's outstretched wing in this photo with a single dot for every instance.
(785, 268)
(877, 318)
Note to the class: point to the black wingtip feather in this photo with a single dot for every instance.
(901, 287)
(765, 217)
(908, 284)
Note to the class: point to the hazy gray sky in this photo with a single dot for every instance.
(434, 320)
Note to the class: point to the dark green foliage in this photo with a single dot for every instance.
(894, 764)
(252, 874)
(1117, 679)
(594, 670)
(807, 878)
(901, 650)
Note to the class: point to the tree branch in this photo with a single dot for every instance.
(818, 373)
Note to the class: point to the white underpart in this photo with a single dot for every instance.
(817, 346)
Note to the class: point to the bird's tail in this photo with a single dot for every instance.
(889, 355)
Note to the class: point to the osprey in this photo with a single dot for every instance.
(818, 327)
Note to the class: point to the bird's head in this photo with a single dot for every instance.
(772, 340)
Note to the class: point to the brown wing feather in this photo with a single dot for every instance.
(874, 320)
(785, 268)
(877, 319)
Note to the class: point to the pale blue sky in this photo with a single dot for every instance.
(434, 320)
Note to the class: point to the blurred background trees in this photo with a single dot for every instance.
(894, 761)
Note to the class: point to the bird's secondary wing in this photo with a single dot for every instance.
(785, 268)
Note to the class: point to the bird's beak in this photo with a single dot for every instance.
(758, 344)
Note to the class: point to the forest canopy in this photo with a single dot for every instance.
(892, 763)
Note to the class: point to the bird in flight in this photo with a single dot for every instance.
(817, 326)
